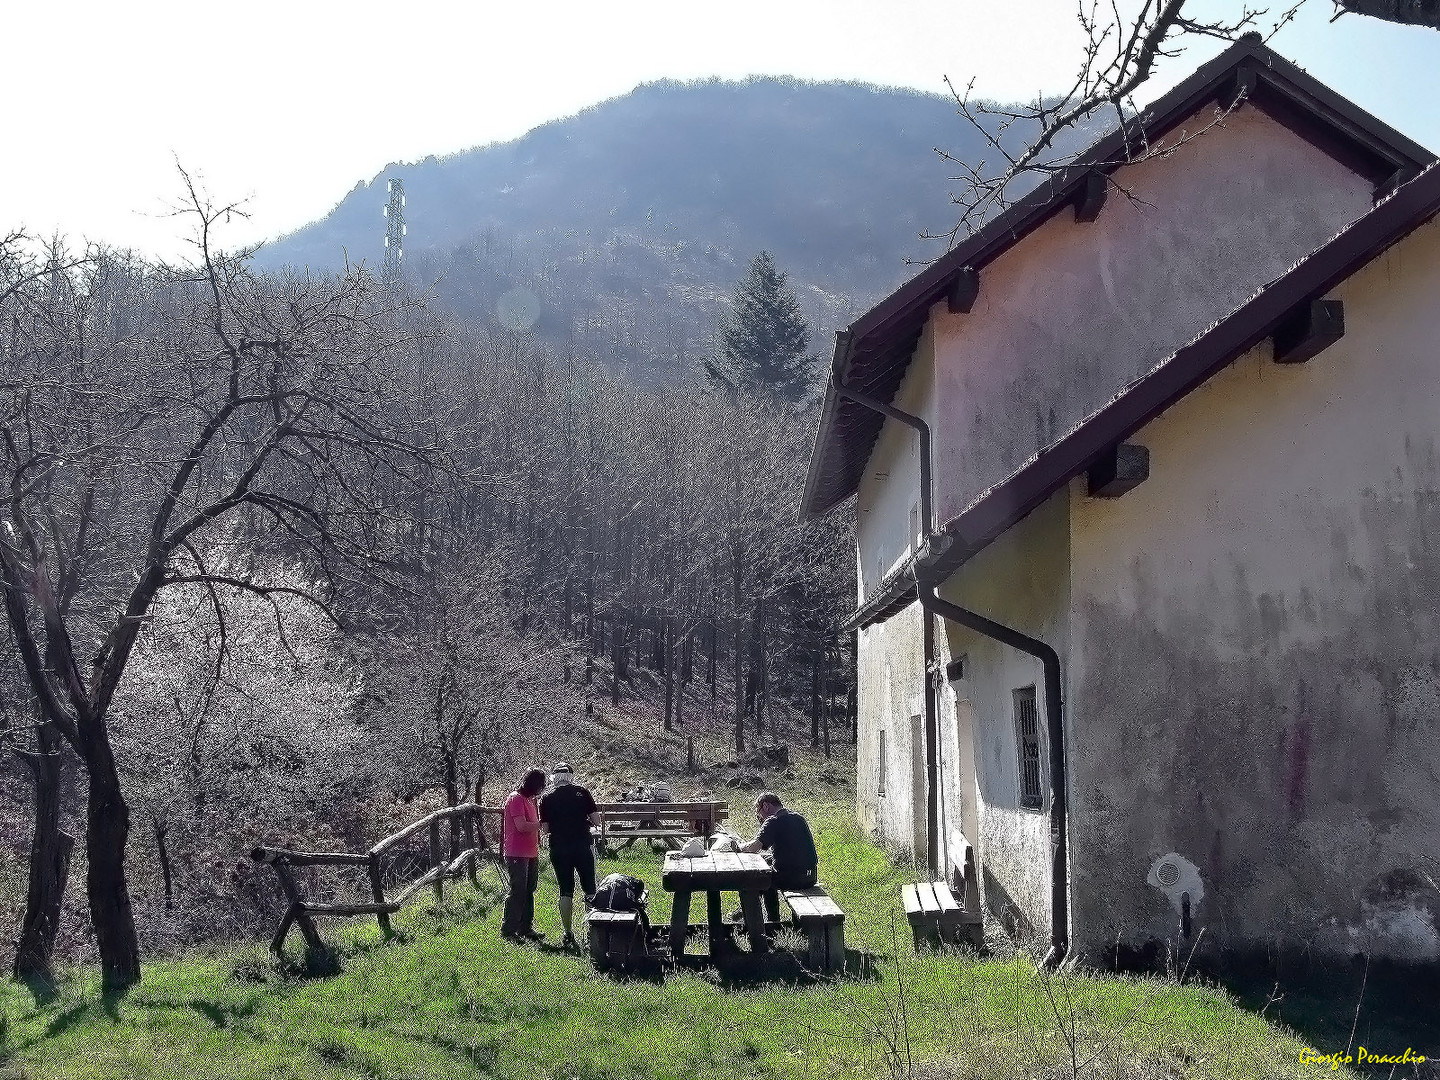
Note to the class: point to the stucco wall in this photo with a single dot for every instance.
(890, 697)
(1075, 311)
(1022, 581)
(1064, 319)
(1255, 671)
(890, 486)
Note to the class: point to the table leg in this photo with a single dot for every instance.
(715, 922)
(679, 923)
(754, 921)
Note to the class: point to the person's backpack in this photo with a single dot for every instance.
(619, 892)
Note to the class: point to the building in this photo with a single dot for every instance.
(1176, 582)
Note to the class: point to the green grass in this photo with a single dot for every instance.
(450, 999)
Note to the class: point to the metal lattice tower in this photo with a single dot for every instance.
(394, 229)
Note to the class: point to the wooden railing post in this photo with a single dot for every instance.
(470, 846)
(437, 859)
(302, 919)
(377, 889)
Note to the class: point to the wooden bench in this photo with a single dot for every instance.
(621, 824)
(935, 915)
(824, 925)
(617, 938)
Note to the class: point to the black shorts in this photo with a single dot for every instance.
(570, 858)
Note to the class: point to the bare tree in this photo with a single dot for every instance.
(456, 692)
(165, 407)
(1119, 56)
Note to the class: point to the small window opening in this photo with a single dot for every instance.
(880, 790)
(1027, 739)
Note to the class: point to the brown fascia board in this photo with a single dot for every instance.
(1005, 504)
(872, 351)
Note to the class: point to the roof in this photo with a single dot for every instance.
(1005, 504)
(873, 354)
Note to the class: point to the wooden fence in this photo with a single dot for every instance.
(464, 852)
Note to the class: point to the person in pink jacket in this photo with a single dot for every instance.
(521, 840)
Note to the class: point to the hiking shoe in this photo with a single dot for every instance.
(569, 942)
(532, 935)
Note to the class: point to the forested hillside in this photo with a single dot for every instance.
(286, 553)
(627, 225)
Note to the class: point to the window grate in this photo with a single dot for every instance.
(1027, 739)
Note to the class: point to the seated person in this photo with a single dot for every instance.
(786, 835)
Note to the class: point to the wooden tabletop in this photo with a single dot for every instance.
(727, 870)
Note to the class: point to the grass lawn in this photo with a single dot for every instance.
(449, 998)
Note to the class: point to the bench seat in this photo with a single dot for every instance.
(817, 914)
(617, 938)
(935, 915)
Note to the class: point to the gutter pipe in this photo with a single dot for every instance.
(933, 605)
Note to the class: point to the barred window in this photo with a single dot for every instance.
(1027, 741)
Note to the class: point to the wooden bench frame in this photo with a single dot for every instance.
(623, 823)
(823, 922)
(936, 917)
(618, 938)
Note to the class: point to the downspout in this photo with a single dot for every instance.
(1054, 726)
(933, 605)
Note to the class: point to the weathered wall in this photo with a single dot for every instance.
(1022, 581)
(1064, 319)
(890, 659)
(890, 486)
(890, 699)
(1075, 311)
(1255, 672)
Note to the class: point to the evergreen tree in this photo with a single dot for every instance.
(763, 337)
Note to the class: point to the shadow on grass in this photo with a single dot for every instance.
(44, 991)
(733, 969)
(1382, 1006)
(111, 1000)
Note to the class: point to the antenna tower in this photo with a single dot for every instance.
(394, 229)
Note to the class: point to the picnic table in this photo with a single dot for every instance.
(668, 823)
(714, 873)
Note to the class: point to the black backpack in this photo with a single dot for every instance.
(619, 892)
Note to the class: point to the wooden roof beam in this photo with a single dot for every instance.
(1308, 330)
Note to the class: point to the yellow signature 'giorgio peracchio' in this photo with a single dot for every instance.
(1361, 1055)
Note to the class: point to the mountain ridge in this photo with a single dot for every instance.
(626, 224)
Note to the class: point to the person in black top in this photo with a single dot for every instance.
(786, 835)
(568, 811)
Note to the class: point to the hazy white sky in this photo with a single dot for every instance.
(290, 104)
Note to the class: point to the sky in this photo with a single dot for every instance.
(287, 105)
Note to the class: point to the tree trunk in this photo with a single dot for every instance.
(680, 701)
(757, 669)
(852, 713)
(829, 690)
(669, 668)
(50, 851)
(107, 830)
(452, 798)
(162, 851)
(714, 648)
(616, 670)
(815, 698)
(739, 686)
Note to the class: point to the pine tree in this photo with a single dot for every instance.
(763, 337)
